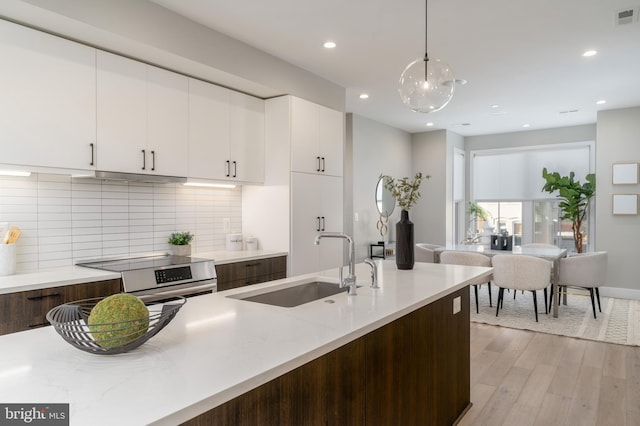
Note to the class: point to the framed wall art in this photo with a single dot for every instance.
(625, 204)
(624, 173)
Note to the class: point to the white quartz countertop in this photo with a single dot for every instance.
(54, 277)
(67, 275)
(222, 257)
(215, 349)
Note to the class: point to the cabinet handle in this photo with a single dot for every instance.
(323, 223)
(92, 154)
(323, 164)
(144, 160)
(228, 168)
(153, 160)
(318, 168)
(251, 265)
(318, 218)
(43, 296)
(235, 169)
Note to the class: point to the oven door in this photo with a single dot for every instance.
(197, 288)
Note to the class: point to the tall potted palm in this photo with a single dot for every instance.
(406, 193)
(575, 199)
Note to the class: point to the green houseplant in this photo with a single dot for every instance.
(575, 197)
(181, 243)
(406, 192)
(476, 214)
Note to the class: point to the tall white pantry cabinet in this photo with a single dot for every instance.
(303, 189)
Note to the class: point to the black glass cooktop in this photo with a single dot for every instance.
(143, 262)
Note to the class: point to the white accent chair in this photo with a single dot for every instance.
(470, 259)
(425, 252)
(521, 272)
(586, 271)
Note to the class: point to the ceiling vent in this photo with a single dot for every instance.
(626, 16)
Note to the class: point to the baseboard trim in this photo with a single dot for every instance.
(620, 293)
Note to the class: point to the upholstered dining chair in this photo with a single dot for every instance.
(539, 246)
(425, 252)
(586, 271)
(470, 259)
(521, 272)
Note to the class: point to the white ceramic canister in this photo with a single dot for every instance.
(234, 242)
(7, 259)
(252, 243)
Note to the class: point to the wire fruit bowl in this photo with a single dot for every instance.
(70, 321)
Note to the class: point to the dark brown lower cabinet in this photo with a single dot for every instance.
(25, 310)
(240, 274)
(413, 371)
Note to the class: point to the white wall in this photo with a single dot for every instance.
(617, 141)
(64, 220)
(429, 215)
(376, 149)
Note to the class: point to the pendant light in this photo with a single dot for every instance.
(426, 85)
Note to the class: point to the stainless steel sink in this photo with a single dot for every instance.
(295, 295)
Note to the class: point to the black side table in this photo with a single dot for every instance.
(377, 255)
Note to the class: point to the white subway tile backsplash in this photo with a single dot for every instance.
(65, 220)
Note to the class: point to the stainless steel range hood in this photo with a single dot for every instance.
(135, 177)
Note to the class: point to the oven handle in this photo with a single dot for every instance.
(208, 286)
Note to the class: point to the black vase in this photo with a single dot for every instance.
(404, 242)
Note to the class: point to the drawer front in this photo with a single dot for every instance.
(25, 310)
(239, 274)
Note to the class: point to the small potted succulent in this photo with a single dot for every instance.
(181, 243)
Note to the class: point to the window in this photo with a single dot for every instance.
(508, 184)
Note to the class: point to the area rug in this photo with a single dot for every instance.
(618, 322)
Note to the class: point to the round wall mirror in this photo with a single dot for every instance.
(384, 200)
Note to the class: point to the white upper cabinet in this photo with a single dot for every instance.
(226, 134)
(246, 137)
(208, 130)
(122, 113)
(47, 99)
(143, 114)
(168, 122)
(317, 138)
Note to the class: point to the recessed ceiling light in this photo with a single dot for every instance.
(495, 106)
(588, 53)
(364, 96)
(601, 102)
(429, 124)
(526, 125)
(329, 44)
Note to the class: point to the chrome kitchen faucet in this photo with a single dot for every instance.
(350, 281)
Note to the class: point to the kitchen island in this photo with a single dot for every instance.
(219, 349)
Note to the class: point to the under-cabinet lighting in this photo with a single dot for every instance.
(14, 173)
(210, 185)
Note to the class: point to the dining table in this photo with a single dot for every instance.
(552, 254)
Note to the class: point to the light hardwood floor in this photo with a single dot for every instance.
(522, 378)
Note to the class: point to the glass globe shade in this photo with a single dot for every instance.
(428, 95)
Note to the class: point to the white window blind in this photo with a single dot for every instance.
(517, 174)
